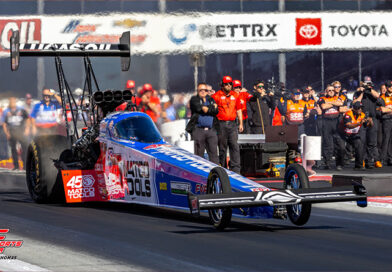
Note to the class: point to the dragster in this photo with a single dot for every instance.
(122, 157)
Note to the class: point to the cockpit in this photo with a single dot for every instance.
(139, 129)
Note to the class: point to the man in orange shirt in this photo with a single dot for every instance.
(229, 108)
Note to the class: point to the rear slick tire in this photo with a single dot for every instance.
(42, 177)
(218, 182)
(296, 178)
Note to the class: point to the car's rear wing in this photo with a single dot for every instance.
(277, 197)
(123, 50)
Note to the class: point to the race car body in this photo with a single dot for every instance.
(136, 165)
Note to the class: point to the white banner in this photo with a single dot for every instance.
(210, 32)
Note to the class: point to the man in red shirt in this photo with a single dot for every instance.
(244, 97)
(229, 108)
(147, 103)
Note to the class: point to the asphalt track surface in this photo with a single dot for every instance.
(113, 236)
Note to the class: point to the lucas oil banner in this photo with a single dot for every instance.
(209, 32)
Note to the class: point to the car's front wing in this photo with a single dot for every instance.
(277, 197)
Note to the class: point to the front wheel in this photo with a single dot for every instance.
(296, 178)
(219, 183)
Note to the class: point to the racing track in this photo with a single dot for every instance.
(111, 236)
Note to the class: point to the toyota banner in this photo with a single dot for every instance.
(209, 32)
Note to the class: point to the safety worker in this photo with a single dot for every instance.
(329, 105)
(16, 128)
(294, 111)
(229, 109)
(259, 109)
(146, 104)
(353, 121)
(45, 114)
(204, 124)
(244, 99)
(386, 116)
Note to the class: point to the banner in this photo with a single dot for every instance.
(210, 32)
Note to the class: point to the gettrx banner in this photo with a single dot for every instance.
(210, 32)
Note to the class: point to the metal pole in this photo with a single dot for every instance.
(40, 61)
(359, 66)
(163, 67)
(195, 75)
(242, 54)
(282, 56)
(322, 72)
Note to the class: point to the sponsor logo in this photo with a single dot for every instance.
(308, 31)
(81, 187)
(180, 188)
(201, 188)
(75, 26)
(29, 31)
(154, 146)
(260, 189)
(8, 244)
(238, 31)
(179, 35)
(138, 178)
(163, 186)
(74, 46)
(129, 23)
(358, 30)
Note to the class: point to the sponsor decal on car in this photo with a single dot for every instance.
(8, 244)
(308, 31)
(163, 186)
(138, 178)
(180, 188)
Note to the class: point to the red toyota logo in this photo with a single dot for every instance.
(308, 31)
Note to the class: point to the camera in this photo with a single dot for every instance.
(367, 86)
(276, 88)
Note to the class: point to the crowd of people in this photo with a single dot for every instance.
(353, 127)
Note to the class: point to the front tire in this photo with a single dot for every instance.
(42, 177)
(296, 178)
(219, 183)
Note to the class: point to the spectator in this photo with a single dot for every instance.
(210, 90)
(3, 138)
(28, 103)
(16, 129)
(45, 114)
(169, 111)
(331, 139)
(314, 110)
(204, 131)
(382, 92)
(259, 108)
(229, 109)
(352, 84)
(370, 100)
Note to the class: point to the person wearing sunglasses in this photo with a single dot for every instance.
(259, 108)
(203, 123)
(229, 112)
(295, 111)
(45, 114)
(330, 104)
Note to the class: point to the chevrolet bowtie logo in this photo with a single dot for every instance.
(130, 23)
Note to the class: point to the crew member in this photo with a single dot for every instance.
(244, 99)
(310, 122)
(204, 131)
(353, 121)
(229, 109)
(259, 109)
(329, 105)
(386, 116)
(16, 129)
(45, 114)
(370, 100)
(147, 104)
(295, 111)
